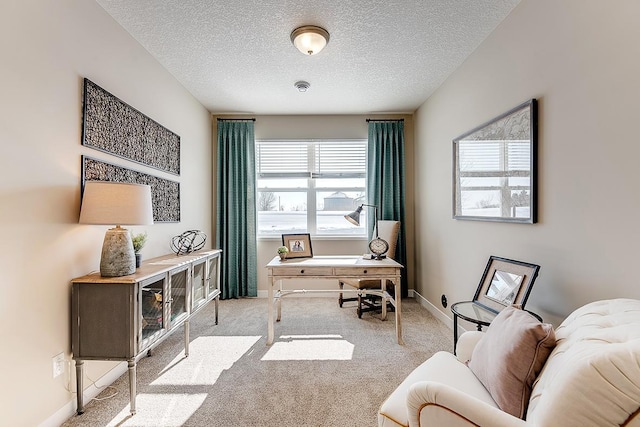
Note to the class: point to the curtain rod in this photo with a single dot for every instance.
(385, 120)
(237, 120)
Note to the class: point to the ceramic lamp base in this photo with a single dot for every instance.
(118, 258)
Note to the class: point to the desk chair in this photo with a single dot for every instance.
(388, 231)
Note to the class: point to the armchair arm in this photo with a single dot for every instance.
(434, 404)
(466, 343)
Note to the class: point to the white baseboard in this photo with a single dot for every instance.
(436, 312)
(69, 410)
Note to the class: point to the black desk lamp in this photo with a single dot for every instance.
(377, 246)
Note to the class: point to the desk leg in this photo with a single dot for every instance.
(132, 386)
(80, 386)
(279, 302)
(186, 338)
(270, 319)
(398, 296)
(383, 285)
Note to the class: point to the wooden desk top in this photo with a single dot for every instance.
(333, 261)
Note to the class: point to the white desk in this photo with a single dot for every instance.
(333, 267)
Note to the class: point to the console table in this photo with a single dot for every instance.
(123, 318)
(332, 267)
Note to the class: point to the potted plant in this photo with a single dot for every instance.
(139, 241)
(283, 251)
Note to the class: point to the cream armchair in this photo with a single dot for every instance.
(591, 378)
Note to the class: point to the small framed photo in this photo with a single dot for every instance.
(299, 245)
(505, 282)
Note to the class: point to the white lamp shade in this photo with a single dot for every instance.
(310, 39)
(116, 203)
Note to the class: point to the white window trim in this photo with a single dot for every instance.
(311, 189)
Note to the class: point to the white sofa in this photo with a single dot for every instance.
(591, 378)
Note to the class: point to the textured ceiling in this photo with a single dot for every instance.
(384, 56)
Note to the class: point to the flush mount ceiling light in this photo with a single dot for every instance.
(310, 39)
(302, 86)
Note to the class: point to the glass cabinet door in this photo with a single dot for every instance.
(212, 276)
(198, 284)
(178, 282)
(152, 320)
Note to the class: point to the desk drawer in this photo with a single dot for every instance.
(363, 271)
(302, 271)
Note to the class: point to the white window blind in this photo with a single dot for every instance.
(340, 160)
(277, 159)
(316, 159)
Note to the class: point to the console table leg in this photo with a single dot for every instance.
(215, 302)
(80, 386)
(132, 386)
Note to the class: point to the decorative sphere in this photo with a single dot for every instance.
(187, 242)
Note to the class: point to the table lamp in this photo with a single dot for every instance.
(377, 246)
(107, 203)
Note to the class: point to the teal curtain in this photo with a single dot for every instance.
(386, 179)
(236, 208)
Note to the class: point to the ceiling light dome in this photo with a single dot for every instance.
(302, 86)
(310, 39)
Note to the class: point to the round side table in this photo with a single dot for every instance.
(473, 312)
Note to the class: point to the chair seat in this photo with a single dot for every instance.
(364, 284)
(388, 230)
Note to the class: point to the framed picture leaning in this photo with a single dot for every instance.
(299, 245)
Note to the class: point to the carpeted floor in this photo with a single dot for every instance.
(325, 368)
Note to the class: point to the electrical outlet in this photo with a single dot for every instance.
(443, 300)
(58, 363)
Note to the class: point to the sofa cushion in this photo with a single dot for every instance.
(509, 357)
(443, 367)
(592, 377)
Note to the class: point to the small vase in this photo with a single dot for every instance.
(283, 257)
(138, 260)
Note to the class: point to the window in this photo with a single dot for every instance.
(308, 186)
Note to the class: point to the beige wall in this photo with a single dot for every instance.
(581, 60)
(46, 49)
(353, 127)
